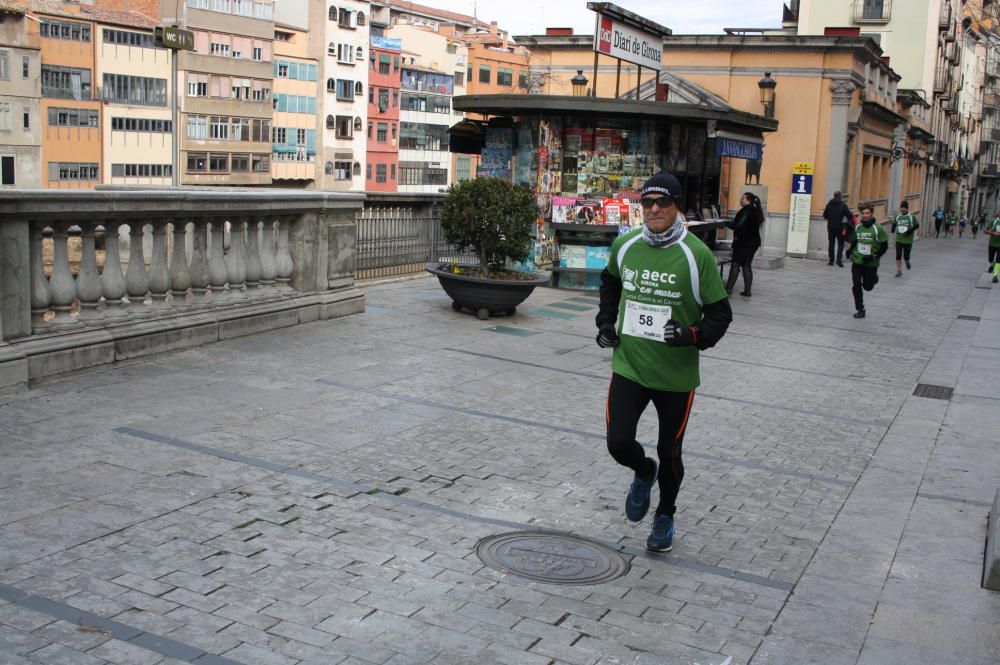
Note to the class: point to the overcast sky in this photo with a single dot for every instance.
(521, 17)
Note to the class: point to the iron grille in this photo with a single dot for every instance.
(933, 392)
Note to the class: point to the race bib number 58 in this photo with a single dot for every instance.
(645, 321)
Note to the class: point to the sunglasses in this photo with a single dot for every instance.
(662, 201)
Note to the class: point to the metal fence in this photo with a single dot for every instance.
(395, 241)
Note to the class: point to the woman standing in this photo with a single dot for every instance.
(746, 241)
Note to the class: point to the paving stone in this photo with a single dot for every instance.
(55, 654)
(123, 653)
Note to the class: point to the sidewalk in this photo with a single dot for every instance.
(315, 494)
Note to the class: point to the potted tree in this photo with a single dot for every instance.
(495, 219)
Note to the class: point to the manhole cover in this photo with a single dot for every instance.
(553, 558)
(932, 391)
(966, 317)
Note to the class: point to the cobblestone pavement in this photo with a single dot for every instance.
(315, 495)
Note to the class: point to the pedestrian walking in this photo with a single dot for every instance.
(835, 213)
(993, 231)
(661, 302)
(746, 241)
(904, 226)
(866, 245)
(938, 222)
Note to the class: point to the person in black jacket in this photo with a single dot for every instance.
(746, 241)
(834, 213)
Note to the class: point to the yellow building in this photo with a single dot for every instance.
(836, 102)
(137, 117)
(294, 148)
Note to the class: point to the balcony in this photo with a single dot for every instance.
(127, 272)
(941, 81)
(991, 100)
(990, 171)
(944, 21)
(872, 11)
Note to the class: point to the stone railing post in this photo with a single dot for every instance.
(88, 281)
(62, 286)
(268, 264)
(41, 294)
(112, 279)
(159, 276)
(136, 279)
(199, 261)
(217, 260)
(180, 274)
(235, 263)
(283, 257)
(253, 262)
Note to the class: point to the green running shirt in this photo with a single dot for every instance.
(905, 226)
(867, 242)
(994, 226)
(659, 283)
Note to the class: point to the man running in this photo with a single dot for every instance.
(904, 226)
(949, 224)
(993, 231)
(866, 245)
(938, 221)
(976, 222)
(662, 301)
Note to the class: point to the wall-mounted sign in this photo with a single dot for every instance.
(628, 43)
(738, 149)
(388, 43)
(174, 38)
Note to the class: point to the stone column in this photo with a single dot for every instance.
(843, 94)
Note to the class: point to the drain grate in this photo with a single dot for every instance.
(933, 392)
(967, 317)
(984, 288)
(550, 557)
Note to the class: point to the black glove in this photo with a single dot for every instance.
(868, 259)
(675, 334)
(607, 338)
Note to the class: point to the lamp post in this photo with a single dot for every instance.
(579, 84)
(767, 86)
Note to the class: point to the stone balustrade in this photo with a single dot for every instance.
(201, 265)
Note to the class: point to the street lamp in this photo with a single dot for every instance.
(767, 86)
(579, 84)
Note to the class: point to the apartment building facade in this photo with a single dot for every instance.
(382, 132)
(344, 97)
(295, 149)
(20, 107)
(226, 103)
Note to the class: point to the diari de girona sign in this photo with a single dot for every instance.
(628, 43)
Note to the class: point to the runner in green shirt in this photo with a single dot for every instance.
(904, 226)
(662, 301)
(949, 224)
(976, 222)
(993, 231)
(866, 245)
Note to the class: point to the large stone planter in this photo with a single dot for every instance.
(485, 296)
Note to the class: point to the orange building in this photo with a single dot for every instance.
(71, 107)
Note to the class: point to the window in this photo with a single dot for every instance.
(368, 172)
(7, 169)
(344, 19)
(371, 94)
(395, 98)
(280, 36)
(65, 82)
(370, 126)
(53, 29)
(459, 78)
(261, 130)
(197, 127)
(359, 54)
(197, 85)
(393, 171)
(260, 163)
(359, 89)
(484, 73)
(127, 38)
(218, 162)
(393, 126)
(468, 72)
(380, 173)
(26, 117)
(357, 168)
(332, 14)
(141, 170)
(73, 171)
(383, 99)
(345, 89)
(345, 127)
(220, 49)
(452, 48)
(123, 89)
(239, 163)
(383, 63)
(463, 169)
(345, 54)
(219, 128)
(5, 114)
(361, 18)
(25, 67)
(239, 129)
(382, 135)
(197, 162)
(258, 53)
(395, 63)
(300, 137)
(522, 81)
(505, 77)
(76, 118)
(280, 135)
(341, 170)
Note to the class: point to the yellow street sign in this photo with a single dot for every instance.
(802, 168)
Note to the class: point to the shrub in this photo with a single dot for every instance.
(493, 217)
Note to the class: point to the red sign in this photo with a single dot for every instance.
(604, 35)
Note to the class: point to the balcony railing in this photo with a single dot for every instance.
(98, 276)
(944, 21)
(872, 11)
